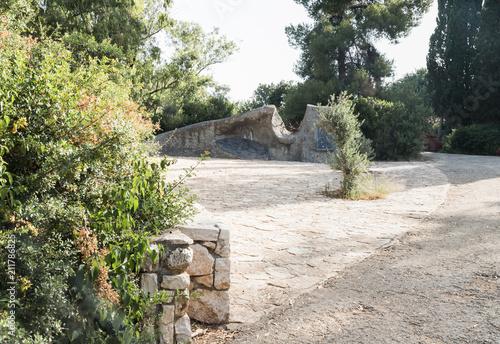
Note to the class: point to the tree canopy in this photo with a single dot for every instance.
(451, 57)
(487, 62)
(168, 61)
(340, 44)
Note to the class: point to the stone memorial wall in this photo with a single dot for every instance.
(257, 134)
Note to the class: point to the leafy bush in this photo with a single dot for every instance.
(341, 122)
(79, 198)
(479, 139)
(195, 110)
(397, 132)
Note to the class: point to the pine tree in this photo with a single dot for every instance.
(487, 64)
(340, 44)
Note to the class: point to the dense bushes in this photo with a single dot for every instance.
(78, 197)
(480, 139)
(397, 133)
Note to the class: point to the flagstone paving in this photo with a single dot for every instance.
(286, 238)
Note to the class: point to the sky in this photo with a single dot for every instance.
(264, 56)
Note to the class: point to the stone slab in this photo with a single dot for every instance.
(173, 237)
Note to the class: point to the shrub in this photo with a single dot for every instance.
(79, 198)
(396, 132)
(479, 139)
(341, 122)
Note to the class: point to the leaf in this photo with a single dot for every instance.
(74, 335)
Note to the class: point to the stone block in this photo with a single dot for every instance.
(203, 262)
(173, 238)
(149, 284)
(166, 324)
(207, 281)
(210, 245)
(212, 307)
(175, 282)
(183, 330)
(202, 228)
(223, 248)
(222, 278)
(179, 259)
(147, 264)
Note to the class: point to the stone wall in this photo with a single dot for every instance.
(210, 270)
(169, 273)
(257, 134)
(195, 259)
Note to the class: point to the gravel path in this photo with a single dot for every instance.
(439, 283)
(286, 238)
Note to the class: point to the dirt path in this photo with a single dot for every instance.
(439, 283)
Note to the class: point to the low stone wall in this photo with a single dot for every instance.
(169, 273)
(210, 270)
(195, 259)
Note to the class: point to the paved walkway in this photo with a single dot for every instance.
(287, 238)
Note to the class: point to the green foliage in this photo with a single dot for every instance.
(173, 81)
(479, 139)
(412, 91)
(397, 132)
(309, 92)
(450, 61)
(79, 197)
(197, 109)
(168, 61)
(487, 73)
(341, 122)
(269, 94)
(338, 50)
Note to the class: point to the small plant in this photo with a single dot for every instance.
(350, 154)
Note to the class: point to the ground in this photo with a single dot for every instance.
(437, 283)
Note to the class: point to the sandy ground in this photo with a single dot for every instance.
(438, 283)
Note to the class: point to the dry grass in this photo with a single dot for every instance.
(370, 187)
(210, 334)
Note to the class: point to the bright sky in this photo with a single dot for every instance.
(264, 56)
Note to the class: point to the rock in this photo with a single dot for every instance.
(202, 263)
(149, 284)
(147, 264)
(222, 278)
(175, 282)
(183, 330)
(182, 303)
(212, 307)
(173, 238)
(207, 281)
(179, 259)
(166, 324)
(202, 228)
(223, 248)
(210, 245)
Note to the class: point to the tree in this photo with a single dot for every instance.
(412, 91)
(269, 94)
(340, 45)
(487, 76)
(172, 78)
(450, 59)
(167, 60)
